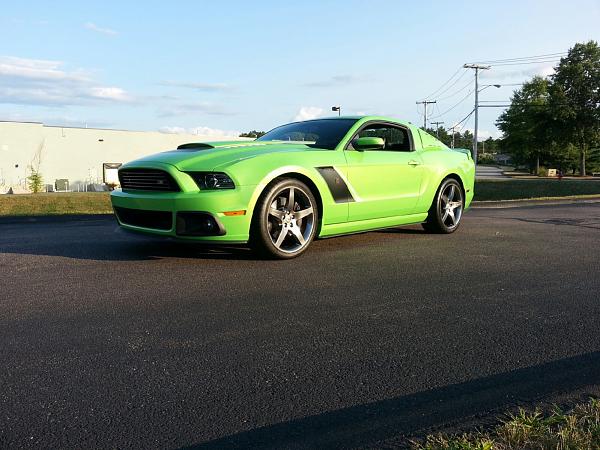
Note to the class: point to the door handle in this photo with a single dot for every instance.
(414, 162)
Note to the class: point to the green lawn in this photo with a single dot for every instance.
(513, 189)
(56, 203)
(99, 202)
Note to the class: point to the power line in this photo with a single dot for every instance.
(525, 62)
(455, 105)
(452, 85)
(456, 92)
(445, 83)
(545, 56)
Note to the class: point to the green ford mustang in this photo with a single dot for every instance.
(300, 181)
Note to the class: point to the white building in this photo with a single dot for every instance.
(76, 154)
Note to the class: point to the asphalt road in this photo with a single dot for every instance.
(110, 340)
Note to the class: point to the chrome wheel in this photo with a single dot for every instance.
(290, 219)
(451, 205)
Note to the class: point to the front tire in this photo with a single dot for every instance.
(285, 220)
(447, 208)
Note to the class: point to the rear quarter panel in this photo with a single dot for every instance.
(440, 163)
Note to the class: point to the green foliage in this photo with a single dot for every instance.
(461, 140)
(575, 98)
(577, 429)
(253, 134)
(556, 121)
(35, 180)
(525, 124)
(485, 158)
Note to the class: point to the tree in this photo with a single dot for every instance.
(575, 99)
(253, 134)
(34, 179)
(526, 124)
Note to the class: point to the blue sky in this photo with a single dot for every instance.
(238, 65)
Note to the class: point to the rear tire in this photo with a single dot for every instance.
(447, 208)
(285, 220)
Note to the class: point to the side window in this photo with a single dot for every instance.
(395, 138)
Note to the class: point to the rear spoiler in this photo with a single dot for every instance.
(466, 151)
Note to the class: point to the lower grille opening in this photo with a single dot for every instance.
(198, 224)
(158, 220)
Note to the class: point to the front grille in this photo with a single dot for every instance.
(147, 180)
(158, 220)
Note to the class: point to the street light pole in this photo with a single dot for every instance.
(477, 68)
(338, 109)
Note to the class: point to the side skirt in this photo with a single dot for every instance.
(370, 224)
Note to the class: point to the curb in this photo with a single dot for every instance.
(55, 218)
(521, 203)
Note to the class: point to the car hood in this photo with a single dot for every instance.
(209, 155)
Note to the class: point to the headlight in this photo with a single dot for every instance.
(212, 180)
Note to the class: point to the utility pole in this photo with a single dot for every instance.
(437, 129)
(477, 68)
(425, 103)
(453, 132)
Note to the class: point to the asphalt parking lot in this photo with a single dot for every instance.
(110, 340)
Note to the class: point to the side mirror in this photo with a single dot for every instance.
(368, 143)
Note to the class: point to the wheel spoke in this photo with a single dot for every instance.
(451, 193)
(290, 204)
(281, 237)
(303, 213)
(445, 216)
(450, 213)
(298, 234)
(276, 213)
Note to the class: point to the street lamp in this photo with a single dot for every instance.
(475, 134)
(338, 109)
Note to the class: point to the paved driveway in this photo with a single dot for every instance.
(109, 340)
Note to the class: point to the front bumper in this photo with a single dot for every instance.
(231, 228)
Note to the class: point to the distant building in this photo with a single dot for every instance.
(79, 155)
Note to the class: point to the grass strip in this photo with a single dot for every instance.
(578, 428)
(45, 204)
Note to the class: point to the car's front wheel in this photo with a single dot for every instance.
(447, 208)
(285, 220)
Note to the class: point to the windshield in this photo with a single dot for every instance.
(321, 133)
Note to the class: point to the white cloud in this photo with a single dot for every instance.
(43, 82)
(37, 69)
(500, 74)
(546, 71)
(337, 80)
(187, 108)
(201, 131)
(206, 87)
(110, 93)
(308, 112)
(97, 29)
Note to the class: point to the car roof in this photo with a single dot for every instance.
(365, 118)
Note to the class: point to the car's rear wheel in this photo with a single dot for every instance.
(285, 220)
(447, 208)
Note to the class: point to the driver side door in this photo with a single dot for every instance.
(386, 181)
